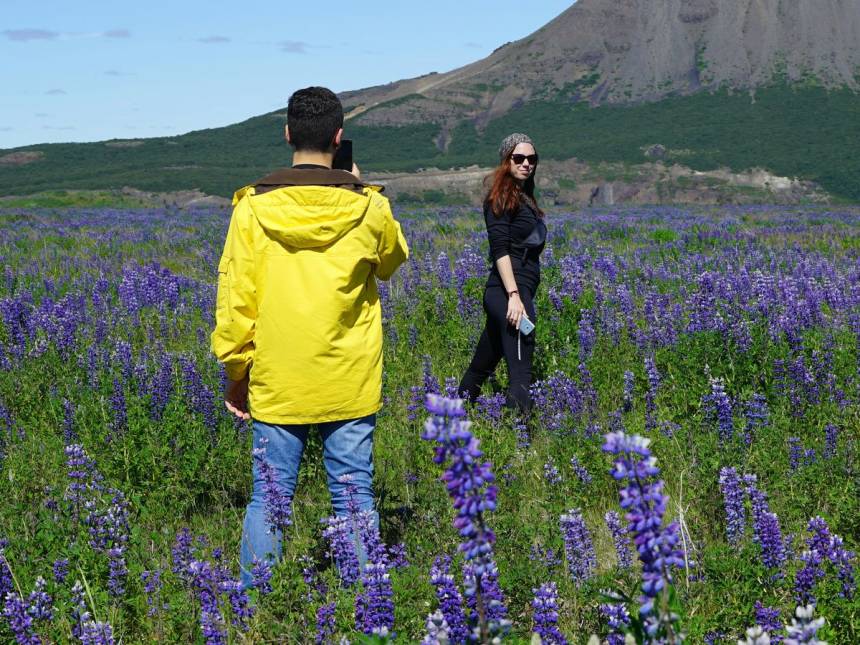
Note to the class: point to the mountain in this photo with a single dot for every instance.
(737, 84)
(629, 51)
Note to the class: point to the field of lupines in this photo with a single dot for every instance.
(691, 470)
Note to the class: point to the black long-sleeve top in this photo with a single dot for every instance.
(506, 233)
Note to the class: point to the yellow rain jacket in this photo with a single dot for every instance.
(297, 301)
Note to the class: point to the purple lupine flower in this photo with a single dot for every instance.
(491, 597)
(429, 385)
(646, 504)
(545, 605)
(240, 604)
(261, 574)
(589, 394)
(522, 430)
(183, 553)
(629, 385)
(757, 417)
(578, 546)
(162, 388)
(804, 628)
(557, 398)
(204, 582)
(451, 385)
(766, 530)
(831, 547)
(69, 434)
(437, 630)
(374, 608)
(7, 582)
(733, 500)
(122, 355)
(470, 485)
(718, 410)
(338, 533)
(586, 335)
(651, 394)
(279, 510)
(768, 619)
(754, 636)
(450, 600)
(551, 474)
(79, 472)
(546, 557)
(325, 623)
(78, 614)
(469, 481)
(398, 556)
(618, 619)
(96, 633)
(141, 373)
(831, 439)
(117, 571)
(109, 527)
(152, 588)
(580, 471)
(61, 570)
(200, 397)
(808, 575)
(490, 407)
(795, 453)
(443, 270)
(40, 604)
(119, 418)
(620, 539)
(20, 620)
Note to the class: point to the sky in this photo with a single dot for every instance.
(96, 70)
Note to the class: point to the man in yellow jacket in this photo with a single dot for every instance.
(298, 317)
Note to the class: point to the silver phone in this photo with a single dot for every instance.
(526, 326)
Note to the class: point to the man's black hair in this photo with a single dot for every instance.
(314, 115)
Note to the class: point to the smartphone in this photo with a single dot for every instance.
(526, 326)
(343, 156)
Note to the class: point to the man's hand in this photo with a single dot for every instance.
(236, 398)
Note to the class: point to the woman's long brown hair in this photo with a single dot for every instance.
(505, 193)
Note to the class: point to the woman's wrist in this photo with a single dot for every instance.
(512, 292)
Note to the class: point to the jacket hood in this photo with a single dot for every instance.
(308, 208)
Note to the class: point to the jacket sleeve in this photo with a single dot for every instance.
(392, 249)
(236, 303)
(498, 232)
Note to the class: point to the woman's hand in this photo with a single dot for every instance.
(516, 310)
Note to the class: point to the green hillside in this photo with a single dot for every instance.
(810, 133)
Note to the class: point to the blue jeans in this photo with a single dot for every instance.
(347, 451)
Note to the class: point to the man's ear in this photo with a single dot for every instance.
(287, 133)
(337, 137)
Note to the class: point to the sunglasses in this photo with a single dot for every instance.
(519, 159)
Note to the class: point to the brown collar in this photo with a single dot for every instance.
(308, 177)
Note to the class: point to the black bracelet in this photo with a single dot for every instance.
(514, 291)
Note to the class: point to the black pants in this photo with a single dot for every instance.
(499, 340)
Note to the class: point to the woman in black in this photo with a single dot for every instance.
(517, 235)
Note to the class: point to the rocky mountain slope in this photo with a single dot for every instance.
(627, 51)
